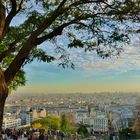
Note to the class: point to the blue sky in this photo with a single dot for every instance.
(91, 74)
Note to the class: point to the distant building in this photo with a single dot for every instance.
(100, 123)
(35, 114)
(42, 113)
(53, 112)
(97, 124)
(122, 118)
(22, 116)
(29, 118)
(26, 117)
(80, 115)
(11, 122)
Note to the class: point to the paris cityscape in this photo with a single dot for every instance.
(93, 110)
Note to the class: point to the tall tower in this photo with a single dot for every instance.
(89, 110)
(110, 126)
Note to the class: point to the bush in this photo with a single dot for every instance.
(82, 130)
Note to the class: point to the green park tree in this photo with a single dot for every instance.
(82, 130)
(123, 134)
(101, 26)
(50, 122)
(64, 123)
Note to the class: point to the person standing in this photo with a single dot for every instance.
(62, 135)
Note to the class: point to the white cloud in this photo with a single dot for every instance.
(90, 62)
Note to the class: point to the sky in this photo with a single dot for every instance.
(91, 73)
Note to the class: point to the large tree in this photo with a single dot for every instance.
(94, 25)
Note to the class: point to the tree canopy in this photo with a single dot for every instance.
(82, 130)
(101, 26)
(64, 123)
(50, 122)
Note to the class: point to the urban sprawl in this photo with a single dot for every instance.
(95, 111)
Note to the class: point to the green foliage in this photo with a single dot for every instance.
(56, 123)
(136, 125)
(127, 132)
(19, 80)
(82, 130)
(25, 128)
(50, 122)
(40, 55)
(64, 123)
(73, 130)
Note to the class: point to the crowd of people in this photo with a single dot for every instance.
(32, 134)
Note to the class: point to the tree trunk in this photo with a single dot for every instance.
(3, 96)
(2, 19)
(2, 103)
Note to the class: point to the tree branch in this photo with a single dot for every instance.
(33, 40)
(49, 20)
(77, 3)
(29, 45)
(8, 51)
(11, 15)
(62, 4)
(57, 31)
(19, 60)
(20, 6)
